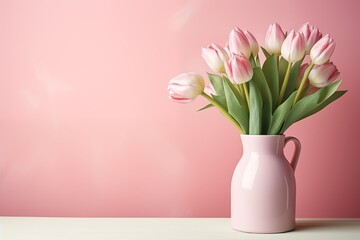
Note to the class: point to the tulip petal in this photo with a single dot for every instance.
(274, 39)
(212, 59)
(326, 54)
(293, 48)
(322, 50)
(253, 43)
(238, 43)
(180, 99)
(186, 86)
(323, 75)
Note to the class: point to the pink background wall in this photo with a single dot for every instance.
(87, 129)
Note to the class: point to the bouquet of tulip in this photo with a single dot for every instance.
(267, 98)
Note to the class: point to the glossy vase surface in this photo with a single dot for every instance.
(263, 189)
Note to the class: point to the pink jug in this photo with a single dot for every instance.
(263, 190)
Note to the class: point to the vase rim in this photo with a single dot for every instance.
(252, 135)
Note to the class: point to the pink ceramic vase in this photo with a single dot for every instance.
(263, 190)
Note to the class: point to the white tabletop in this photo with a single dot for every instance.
(31, 228)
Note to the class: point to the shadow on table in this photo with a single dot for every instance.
(325, 224)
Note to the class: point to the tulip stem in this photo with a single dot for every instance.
(240, 89)
(246, 94)
(307, 89)
(303, 82)
(223, 111)
(277, 63)
(284, 85)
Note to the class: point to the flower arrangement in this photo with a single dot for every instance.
(267, 98)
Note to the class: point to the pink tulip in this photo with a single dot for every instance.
(186, 87)
(311, 35)
(293, 48)
(215, 56)
(253, 43)
(274, 39)
(301, 74)
(321, 52)
(227, 49)
(238, 42)
(209, 90)
(323, 75)
(239, 69)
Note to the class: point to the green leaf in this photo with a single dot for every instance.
(270, 70)
(218, 85)
(266, 117)
(257, 60)
(266, 96)
(262, 84)
(252, 61)
(336, 95)
(255, 109)
(267, 55)
(206, 107)
(308, 104)
(235, 109)
(280, 115)
(294, 74)
(239, 97)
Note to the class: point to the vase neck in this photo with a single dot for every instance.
(263, 144)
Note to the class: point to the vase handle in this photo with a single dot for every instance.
(297, 151)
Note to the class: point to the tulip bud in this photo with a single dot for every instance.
(215, 56)
(239, 69)
(274, 39)
(186, 87)
(323, 75)
(293, 48)
(253, 43)
(238, 42)
(311, 35)
(209, 90)
(227, 49)
(321, 52)
(301, 74)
